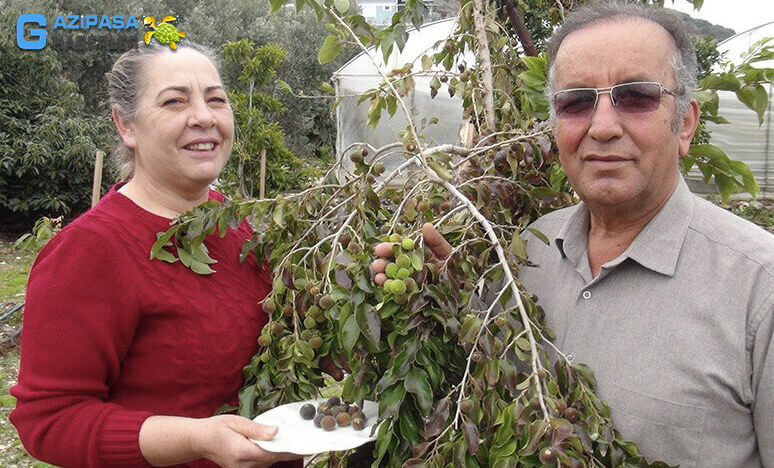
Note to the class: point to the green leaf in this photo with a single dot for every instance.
(539, 235)
(417, 383)
(201, 268)
(329, 50)
(390, 400)
(350, 333)
(278, 215)
(341, 5)
(427, 63)
(370, 324)
(275, 5)
(326, 88)
(755, 98)
(725, 81)
(284, 86)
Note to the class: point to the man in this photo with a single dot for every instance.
(667, 297)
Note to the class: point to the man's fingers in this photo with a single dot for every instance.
(380, 278)
(378, 265)
(384, 249)
(435, 242)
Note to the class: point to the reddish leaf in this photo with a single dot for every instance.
(287, 279)
(471, 437)
(343, 279)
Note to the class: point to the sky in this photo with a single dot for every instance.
(739, 15)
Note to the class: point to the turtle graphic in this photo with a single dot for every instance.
(165, 32)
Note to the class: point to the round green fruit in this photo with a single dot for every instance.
(402, 273)
(407, 243)
(391, 270)
(403, 261)
(398, 287)
(310, 322)
(269, 307)
(378, 169)
(395, 238)
(466, 405)
(315, 342)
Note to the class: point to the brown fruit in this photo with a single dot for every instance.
(411, 147)
(353, 247)
(364, 152)
(378, 169)
(353, 410)
(328, 423)
(461, 67)
(571, 414)
(269, 307)
(449, 46)
(445, 206)
(444, 78)
(422, 206)
(465, 75)
(370, 178)
(276, 328)
(318, 419)
(542, 374)
(358, 423)
(561, 406)
(343, 419)
(287, 310)
(534, 403)
(466, 405)
(313, 290)
(326, 302)
(315, 342)
(337, 409)
(356, 157)
(324, 406)
(307, 411)
(478, 356)
(264, 340)
(547, 456)
(500, 321)
(333, 401)
(345, 238)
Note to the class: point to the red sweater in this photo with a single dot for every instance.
(111, 337)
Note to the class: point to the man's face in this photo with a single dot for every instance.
(613, 158)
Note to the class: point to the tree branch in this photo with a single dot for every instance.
(516, 17)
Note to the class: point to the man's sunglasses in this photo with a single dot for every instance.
(631, 98)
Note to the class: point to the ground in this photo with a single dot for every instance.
(15, 266)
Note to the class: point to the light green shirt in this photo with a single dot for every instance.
(677, 329)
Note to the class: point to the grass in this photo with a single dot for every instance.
(14, 269)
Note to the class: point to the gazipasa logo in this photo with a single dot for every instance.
(165, 31)
(38, 37)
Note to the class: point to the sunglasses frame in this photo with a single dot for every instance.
(609, 90)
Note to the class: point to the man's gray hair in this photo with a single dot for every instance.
(683, 63)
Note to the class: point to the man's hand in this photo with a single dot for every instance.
(433, 240)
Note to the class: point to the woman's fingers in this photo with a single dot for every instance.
(252, 430)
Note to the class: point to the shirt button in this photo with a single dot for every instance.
(587, 294)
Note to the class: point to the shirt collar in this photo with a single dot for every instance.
(657, 247)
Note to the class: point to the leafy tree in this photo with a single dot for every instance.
(47, 143)
(251, 71)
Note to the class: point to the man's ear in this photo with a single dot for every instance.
(688, 127)
(125, 129)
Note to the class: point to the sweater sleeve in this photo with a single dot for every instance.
(79, 320)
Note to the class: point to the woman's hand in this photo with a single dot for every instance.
(224, 440)
(171, 440)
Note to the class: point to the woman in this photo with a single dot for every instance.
(124, 359)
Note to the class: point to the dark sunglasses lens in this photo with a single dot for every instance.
(574, 101)
(636, 97)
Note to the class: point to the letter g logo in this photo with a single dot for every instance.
(38, 36)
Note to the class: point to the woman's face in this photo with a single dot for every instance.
(184, 129)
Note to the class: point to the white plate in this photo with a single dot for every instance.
(301, 437)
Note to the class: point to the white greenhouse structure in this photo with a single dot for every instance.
(742, 139)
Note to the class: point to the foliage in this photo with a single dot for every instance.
(252, 71)
(42, 232)
(459, 381)
(48, 143)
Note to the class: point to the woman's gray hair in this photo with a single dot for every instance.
(684, 66)
(126, 83)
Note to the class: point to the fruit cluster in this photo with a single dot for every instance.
(333, 412)
(395, 277)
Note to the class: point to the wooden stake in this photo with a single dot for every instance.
(262, 189)
(97, 185)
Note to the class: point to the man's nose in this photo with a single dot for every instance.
(605, 120)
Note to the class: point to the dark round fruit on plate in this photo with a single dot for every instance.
(328, 423)
(318, 418)
(307, 411)
(358, 423)
(343, 419)
(353, 410)
(323, 406)
(360, 415)
(333, 401)
(336, 410)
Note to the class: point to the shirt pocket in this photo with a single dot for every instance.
(663, 430)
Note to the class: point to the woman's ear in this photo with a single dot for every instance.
(125, 128)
